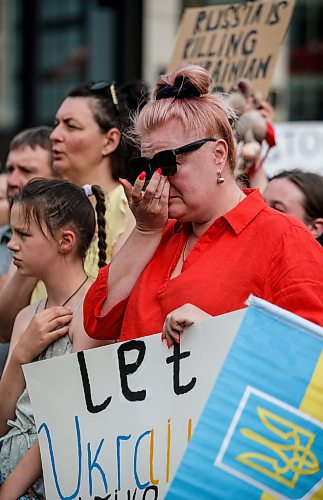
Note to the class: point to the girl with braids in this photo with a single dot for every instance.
(201, 245)
(53, 224)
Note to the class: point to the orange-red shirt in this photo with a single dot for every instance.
(251, 249)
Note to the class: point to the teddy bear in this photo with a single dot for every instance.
(253, 127)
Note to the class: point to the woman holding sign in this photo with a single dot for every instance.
(201, 245)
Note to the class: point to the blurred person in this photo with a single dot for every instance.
(300, 194)
(201, 245)
(29, 156)
(53, 224)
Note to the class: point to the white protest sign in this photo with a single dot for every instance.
(299, 145)
(234, 41)
(115, 421)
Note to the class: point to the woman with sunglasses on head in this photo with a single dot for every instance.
(201, 245)
(89, 148)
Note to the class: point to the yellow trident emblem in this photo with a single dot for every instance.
(291, 458)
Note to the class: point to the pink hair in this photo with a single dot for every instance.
(208, 113)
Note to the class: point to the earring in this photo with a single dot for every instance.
(220, 179)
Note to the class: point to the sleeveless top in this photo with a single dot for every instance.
(22, 433)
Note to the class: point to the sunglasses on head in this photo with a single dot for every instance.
(166, 160)
(103, 86)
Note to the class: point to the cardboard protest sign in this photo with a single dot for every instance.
(114, 421)
(260, 435)
(234, 41)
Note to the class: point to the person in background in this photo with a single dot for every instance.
(29, 156)
(300, 194)
(201, 245)
(88, 147)
(53, 224)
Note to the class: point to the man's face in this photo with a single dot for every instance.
(24, 164)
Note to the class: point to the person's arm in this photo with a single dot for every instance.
(15, 294)
(150, 209)
(294, 279)
(80, 340)
(23, 476)
(29, 339)
(258, 177)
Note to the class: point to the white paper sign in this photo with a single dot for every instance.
(299, 145)
(114, 421)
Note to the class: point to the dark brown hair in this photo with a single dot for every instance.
(58, 203)
(130, 97)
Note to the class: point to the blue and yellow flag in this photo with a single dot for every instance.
(260, 435)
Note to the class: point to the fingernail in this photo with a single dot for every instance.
(177, 341)
(142, 176)
(120, 180)
(168, 344)
(159, 171)
(162, 337)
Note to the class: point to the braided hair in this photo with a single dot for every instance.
(100, 212)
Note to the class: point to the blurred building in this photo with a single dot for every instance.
(47, 46)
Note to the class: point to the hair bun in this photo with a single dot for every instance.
(182, 89)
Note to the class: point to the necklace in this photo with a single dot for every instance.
(185, 246)
(184, 249)
(71, 296)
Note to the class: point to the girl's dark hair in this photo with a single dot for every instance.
(58, 203)
(112, 107)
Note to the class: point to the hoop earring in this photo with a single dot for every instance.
(220, 179)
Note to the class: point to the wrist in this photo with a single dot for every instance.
(19, 356)
(142, 231)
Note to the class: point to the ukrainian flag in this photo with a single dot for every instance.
(260, 435)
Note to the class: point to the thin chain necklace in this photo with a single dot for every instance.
(71, 296)
(184, 248)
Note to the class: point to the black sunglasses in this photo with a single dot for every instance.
(166, 160)
(103, 86)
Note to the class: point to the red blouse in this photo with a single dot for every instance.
(251, 249)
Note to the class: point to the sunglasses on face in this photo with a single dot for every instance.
(166, 160)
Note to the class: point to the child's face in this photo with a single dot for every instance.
(33, 252)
